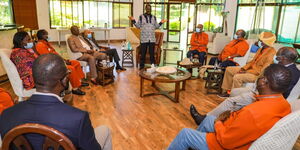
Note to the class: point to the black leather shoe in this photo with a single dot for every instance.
(83, 84)
(120, 68)
(78, 92)
(198, 118)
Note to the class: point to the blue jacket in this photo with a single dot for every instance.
(48, 110)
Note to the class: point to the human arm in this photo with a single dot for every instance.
(238, 130)
(76, 46)
(158, 25)
(87, 139)
(136, 24)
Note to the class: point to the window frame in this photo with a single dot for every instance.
(281, 5)
(111, 2)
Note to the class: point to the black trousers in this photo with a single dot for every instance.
(114, 54)
(222, 64)
(144, 47)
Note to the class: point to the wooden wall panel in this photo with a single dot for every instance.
(25, 13)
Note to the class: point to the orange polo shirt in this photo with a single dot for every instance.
(199, 39)
(248, 124)
(239, 46)
(5, 100)
(44, 47)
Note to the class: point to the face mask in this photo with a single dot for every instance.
(198, 30)
(89, 36)
(260, 44)
(48, 39)
(275, 60)
(29, 45)
(235, 36)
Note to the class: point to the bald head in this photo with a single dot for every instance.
(48, 70)
(287, 55)
(241, 33)
(74, 30)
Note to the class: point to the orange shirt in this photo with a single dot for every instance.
(5, 100)
(248, 124)
(239, 46)
(44, 47)
(262, 59)
(199, 39)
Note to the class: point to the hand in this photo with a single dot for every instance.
(90, 51)
(242, 70)
(164, 20)
(131, 18)
(68, 62)
(223, 116)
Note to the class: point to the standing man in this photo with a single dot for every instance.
(199, 43)
(147, 23)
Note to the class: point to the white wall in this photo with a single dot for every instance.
(44, 20)
(231, 6)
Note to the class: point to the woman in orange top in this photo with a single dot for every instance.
(237, 130)
(199, 43)
(238, 47)
(44, 47)
(5, 100)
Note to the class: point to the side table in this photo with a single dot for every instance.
(105, 73)
(214, 81)
(190, 68)
(127, 57)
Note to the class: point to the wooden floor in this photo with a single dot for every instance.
(137, 123)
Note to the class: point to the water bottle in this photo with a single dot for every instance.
(129, 46)
(191, 58)
(123, 45)
(216, 65)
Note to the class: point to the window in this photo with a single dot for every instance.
(6, 12)
(209, 14)
(90, 13)
(278, 16)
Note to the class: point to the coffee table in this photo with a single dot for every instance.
(105, 73)
(177, 78)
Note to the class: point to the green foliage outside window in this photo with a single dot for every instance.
(5, 12)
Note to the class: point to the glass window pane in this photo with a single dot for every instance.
(174, 36)
(6, 12)
(210, 16)
(245, 17)
(174, 18)
(288, 24)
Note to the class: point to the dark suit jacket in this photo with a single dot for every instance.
(48, 110)
(95, 42)
(295, 77)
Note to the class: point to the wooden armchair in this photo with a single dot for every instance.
(53, 138)
(157, 50)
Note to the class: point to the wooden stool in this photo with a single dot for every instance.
(127, 56)
(214, 81)
(105, 73)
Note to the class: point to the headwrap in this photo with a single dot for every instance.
(268, 38)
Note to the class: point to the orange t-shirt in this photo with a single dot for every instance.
(5, 100)
(248, 124)
(44, 47)
(199, 39)
(239, 46)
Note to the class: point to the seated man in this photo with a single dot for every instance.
(87, 34)
(76, 75)
(235, 76)
(286, 56)
(45, 107)
(5, 101)
(84, 52)
(238, 129)
(199, 43)
(238, 47)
